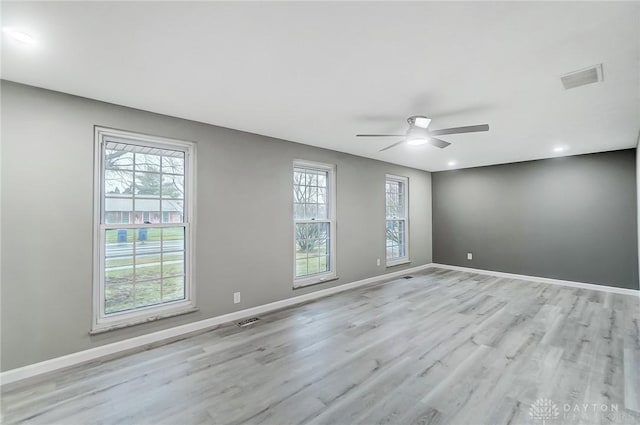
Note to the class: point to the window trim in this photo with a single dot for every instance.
(100, 321)
(331, 196)
(406, 258)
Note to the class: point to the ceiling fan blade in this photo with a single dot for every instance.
(438, 143)
(391, 146)
(380, 135)
(458, 130)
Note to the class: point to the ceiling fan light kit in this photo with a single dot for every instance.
(417, 133)
(417, 136)
(417, 141)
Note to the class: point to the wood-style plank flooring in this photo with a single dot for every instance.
(445, 347)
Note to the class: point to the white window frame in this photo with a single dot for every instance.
(101, 321)
(331, 196)
(406, 258)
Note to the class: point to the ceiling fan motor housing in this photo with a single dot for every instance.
(419, 121)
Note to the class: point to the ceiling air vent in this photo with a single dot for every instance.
(583, 77)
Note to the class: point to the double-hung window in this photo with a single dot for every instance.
(144, 219)
(313, 222)
(397, 220)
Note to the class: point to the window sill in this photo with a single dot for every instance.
(107, 327)
(398, 263)
(311, 282)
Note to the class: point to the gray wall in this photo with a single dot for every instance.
(638, 195)
(571, 218)
(47, 192)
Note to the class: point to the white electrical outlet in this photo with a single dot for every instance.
(378, 262)
(236, 297)
(469, 256)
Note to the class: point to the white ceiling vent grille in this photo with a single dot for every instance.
(583, 77)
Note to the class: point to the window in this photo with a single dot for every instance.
(397, 223)
(142, 265)
(313, 222)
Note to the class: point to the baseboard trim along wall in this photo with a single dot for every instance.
(143, 341)
(591, 286)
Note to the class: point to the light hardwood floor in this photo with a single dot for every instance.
(445, 347)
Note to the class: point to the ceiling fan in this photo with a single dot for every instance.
(417, 133)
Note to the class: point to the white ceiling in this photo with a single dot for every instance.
(318, 73)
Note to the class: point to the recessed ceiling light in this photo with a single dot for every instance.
(559, 149)
(451, 163)
(18, 35)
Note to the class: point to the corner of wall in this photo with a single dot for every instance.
(433, 254)
(638, 199)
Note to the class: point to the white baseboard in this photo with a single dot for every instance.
(74, 359)
(591, 286)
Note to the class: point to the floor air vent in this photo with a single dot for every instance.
(247, 322)
(407, 277)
